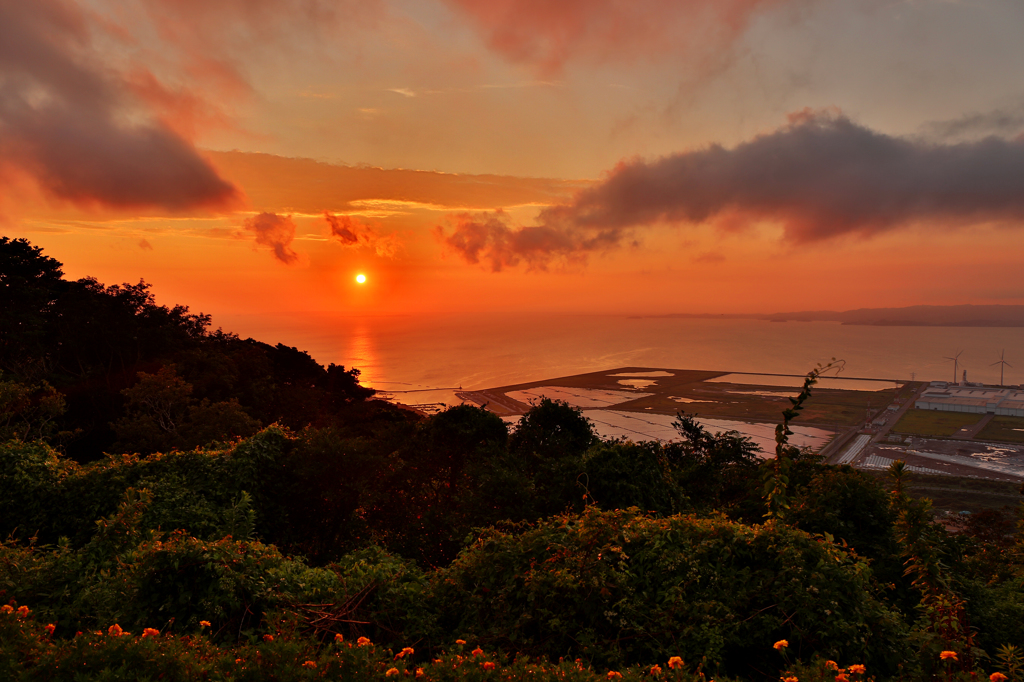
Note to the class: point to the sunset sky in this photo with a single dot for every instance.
(655, 156)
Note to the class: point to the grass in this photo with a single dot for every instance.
(952, 494)
(1006, 429)
(934, 423)
(826, 407)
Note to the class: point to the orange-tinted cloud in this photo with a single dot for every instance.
(548, 34)
(275, 231)
(350, 232)
(820, 177)
(492, 238)
(71, 124)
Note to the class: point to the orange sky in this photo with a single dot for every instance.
(657, 156)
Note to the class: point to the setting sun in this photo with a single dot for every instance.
(361, 278)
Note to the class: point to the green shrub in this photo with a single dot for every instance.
(31, 475)
(199, 491)
(620, 587)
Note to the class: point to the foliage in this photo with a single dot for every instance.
(713, 469)
(621, 587)
(161, 415)
(29, 412)
(776, 477)
(249, 551)
(114, 654)
(198, 491)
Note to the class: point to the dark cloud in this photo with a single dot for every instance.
(275, 231)
(492, 238)
(820, 177)
(350, 232)
(72, 125)
(145, 245)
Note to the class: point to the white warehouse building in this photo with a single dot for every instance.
(1007, 402)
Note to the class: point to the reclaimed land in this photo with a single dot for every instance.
(690, 391)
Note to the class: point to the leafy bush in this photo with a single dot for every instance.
(620, 587)
(198, 491)
(140, 578)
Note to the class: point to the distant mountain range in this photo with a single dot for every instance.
(912, 316)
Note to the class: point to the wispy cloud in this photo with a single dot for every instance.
(547, 35)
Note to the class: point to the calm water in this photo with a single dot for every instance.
(412, 353)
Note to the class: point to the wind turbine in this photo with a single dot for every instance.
(1002, 363)
(956, 362)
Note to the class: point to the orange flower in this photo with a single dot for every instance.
(150, 632)
(268, 638)
(780, 645)
(309, 664)
(419, 672)
(363, 641)
(487, 665)
(841, 677)
(114, 630)
(612, 675)
(204, 623)
(407, 651)
(50, 628)
(22, 611)
(948, 654)
(791, 678)
(857, 668)
(6, 608)
(460, 641)
(391, 672)
(338, 638)
(831, 665)
(477, 651)
(655, 669)
(675, 662)
(997, 677)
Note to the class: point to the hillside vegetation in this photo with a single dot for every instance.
(182, 504)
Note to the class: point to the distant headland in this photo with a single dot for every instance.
(911, 316)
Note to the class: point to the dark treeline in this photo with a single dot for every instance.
(155, 474)
(136, 376)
